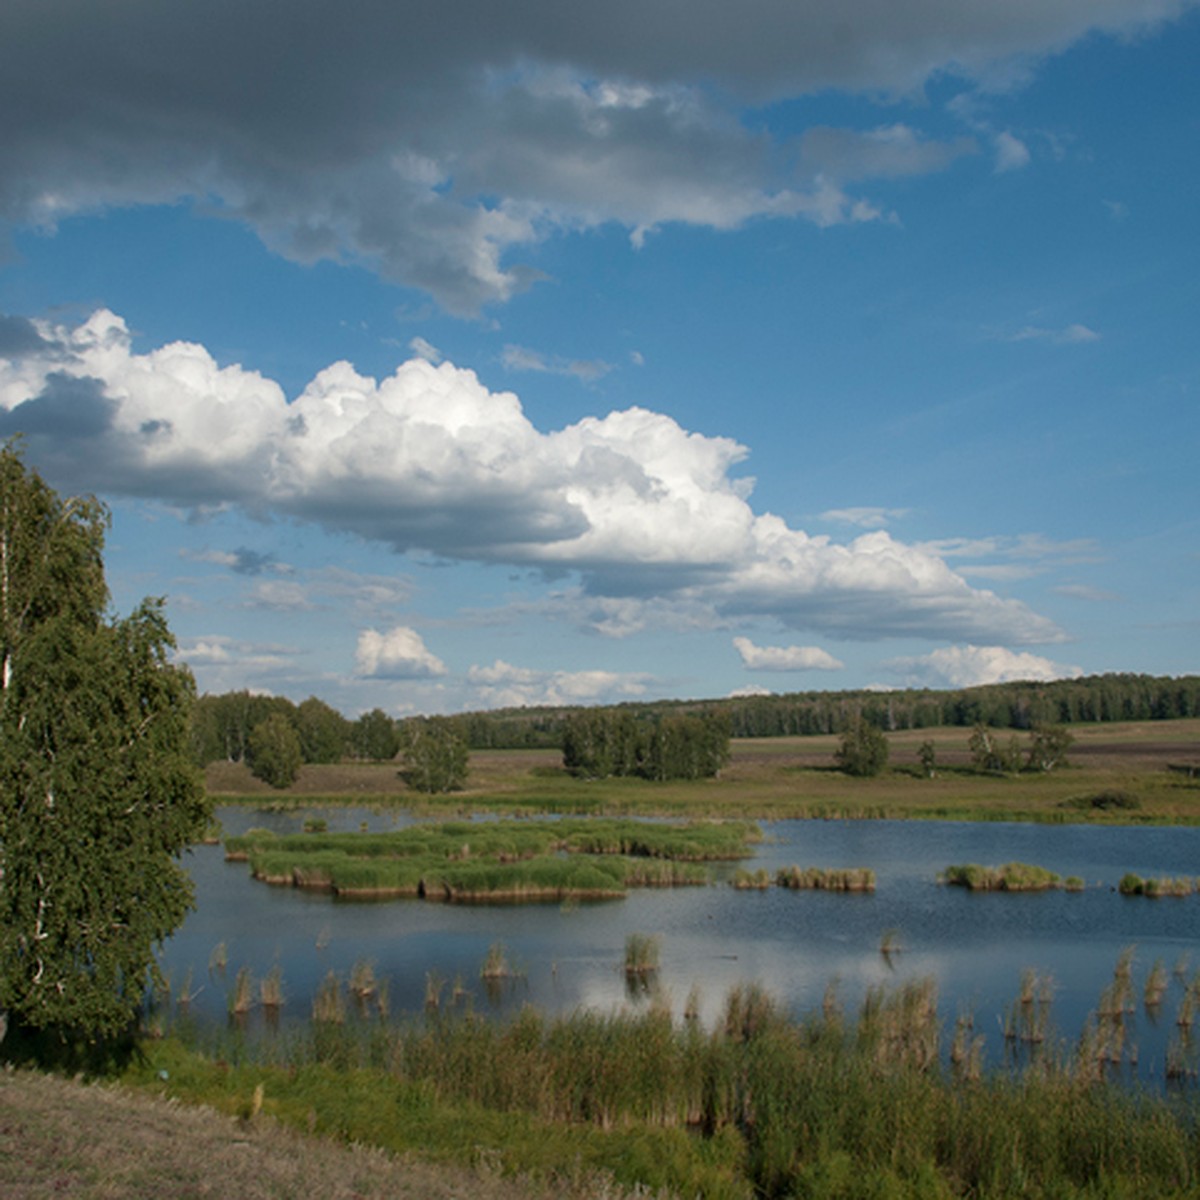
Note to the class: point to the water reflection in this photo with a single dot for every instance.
(981, 949)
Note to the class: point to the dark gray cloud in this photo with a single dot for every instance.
(250, 562)
(67, 408)
(431, 142)
(19, 337)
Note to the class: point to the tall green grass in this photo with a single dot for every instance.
(1011, 877)
(828, 879)
(492, 861)
(758, 1105)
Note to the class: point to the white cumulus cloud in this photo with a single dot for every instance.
(503, 685)
(400, 653)
(430, 459)
(785, 658)
(971, 666)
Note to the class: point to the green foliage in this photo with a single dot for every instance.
(274, 751)
(989, 754)
(98, 794)
(601, 742)
(1107, 800)
(927, 756)
(1048, 745)
(435, 756)
(1011, 877)
(518, 860)
(324, 732)
(863, 751)
(753, 1104)
(221, 725)
(374, 736)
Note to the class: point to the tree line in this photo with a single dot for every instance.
(275, 737)
(1020, 706)
(657, 739)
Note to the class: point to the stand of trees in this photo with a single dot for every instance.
(275, 737)
(222, 724)
(600, 742)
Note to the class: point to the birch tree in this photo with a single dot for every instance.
(98, 794)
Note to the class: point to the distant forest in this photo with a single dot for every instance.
(223, 723)
(1002, 705)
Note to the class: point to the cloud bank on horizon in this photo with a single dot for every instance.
(468, 153)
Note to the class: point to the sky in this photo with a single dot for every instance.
(439, 358)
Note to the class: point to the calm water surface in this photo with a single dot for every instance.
(794, 943)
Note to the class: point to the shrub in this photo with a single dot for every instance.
(863, 750)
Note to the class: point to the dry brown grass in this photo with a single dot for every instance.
(782, 777)
(59, 1138)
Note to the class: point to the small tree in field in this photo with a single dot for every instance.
(927, 756)
(98, 792)
(863, 750)
(274, 752)
(435, 757)
(1048, 746)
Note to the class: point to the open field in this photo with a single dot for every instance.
(795, 777)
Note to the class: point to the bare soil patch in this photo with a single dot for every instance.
(61, 1138)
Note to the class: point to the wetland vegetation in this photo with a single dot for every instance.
(482, 862)
(759, 1103)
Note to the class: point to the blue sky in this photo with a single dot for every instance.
(540, 353)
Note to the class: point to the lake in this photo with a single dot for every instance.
(975, 945)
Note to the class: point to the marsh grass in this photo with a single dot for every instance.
(759, 1104)
(496, 964)
(1011, 877)
(363, 981)
(329, 1002)
(1179, 886)
(241, 998)
(271, 989)
(641, 955)
(1157, 982)
(501, 861)
(827, 879)
(757, 880)
(435, 985)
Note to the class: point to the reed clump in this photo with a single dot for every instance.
(1010, 877)
(363, 982)
(757, 880)
(641, 954)
(1134, 885)
(511, 861)
(329, 1002)
(271, 989)
(241, 998)
(496, 964)
(827, 879)
(760, 1103)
